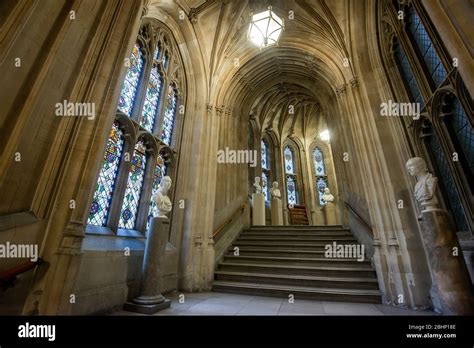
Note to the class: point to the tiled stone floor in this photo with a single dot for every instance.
(213, 303)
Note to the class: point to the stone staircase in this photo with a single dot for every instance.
(282, 260)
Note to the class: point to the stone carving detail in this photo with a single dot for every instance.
(354, 82)
(327, 196)
(341, 90)
(258, 187)
(275, 191)
(425, 188)
(161, 199)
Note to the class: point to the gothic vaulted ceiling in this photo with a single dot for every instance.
(301, 74)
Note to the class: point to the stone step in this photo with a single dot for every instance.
(309, 228)
(288, 260)
(275, 269)
(299, 238)
(299, 280)
(334, 234)
(310, 245)
(299, 292)
(248, 251)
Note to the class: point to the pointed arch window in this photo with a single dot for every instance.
(169, 115)
(152, 100)
(128, 213)
(291, 185)
(107, 178)
(131, 82)
(320, 173)
(265, 169)
(158, 174)
(453, 131)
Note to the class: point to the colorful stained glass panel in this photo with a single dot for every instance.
(264, 154)
(107, 177)
(289, 163)
(128, 213)
(152, 99)
(321, 184)
(291, 189)
(169, 116)
(130, 84)
(318, 160)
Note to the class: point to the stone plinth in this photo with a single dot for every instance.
(150, 299)
(258, 203)
(448, 269)
(330, 214)
(277, 212)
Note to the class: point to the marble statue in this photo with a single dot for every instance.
(425, 188)
(258, 187)
(275, 191)
(327, 196)
(161, 199)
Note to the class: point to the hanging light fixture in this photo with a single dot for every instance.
(265, 28)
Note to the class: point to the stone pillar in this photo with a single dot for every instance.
(448, 268)
(150, 299)
(277, 212)
(330, 213)
(258, 202)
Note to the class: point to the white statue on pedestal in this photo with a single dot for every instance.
(327, 196)
(161, 198)
(258, 187)
(425, 188)
(275, 191)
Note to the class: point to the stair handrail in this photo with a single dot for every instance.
(364, 223)
(239, 209)
(8, 277)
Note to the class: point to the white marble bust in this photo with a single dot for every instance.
(425, 188)
(327, 196)
(258, 187)
(275, 191)
(161, 199)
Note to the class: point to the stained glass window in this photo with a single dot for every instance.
(130, 84)
(318, 160)
(265, 190)
(264, 149)
(321, 184)
(170, 112)
(320, 173)
(289, 164)
(159, 173)
(463, 132)
(448, 183)
(107, 177)
(152, 99)
(128, 214)
(291, 192)
(407, 73)
(291, 189)
(425, 47)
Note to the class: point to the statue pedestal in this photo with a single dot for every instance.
(258, 202)
(150, 299)
(277, 212)
(449, 272)
(330, 214)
